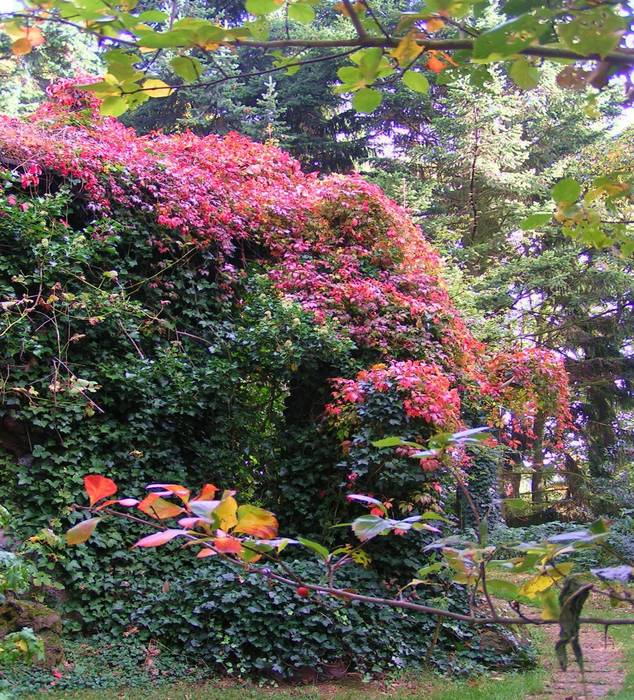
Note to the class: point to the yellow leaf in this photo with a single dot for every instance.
(157, 88)
(257, 522)
(434, 24)
(226, 513)
(407, 50)
(537, 585)
(543, 582)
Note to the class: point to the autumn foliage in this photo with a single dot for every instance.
(337, 245)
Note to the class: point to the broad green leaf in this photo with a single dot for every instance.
(535, 221)
(82, 531)
(416, 82)
(166, 40)
(301, 12)
(261, 7)
(524, 74)
(566, 190)
(367, 100)
(187, 68)
(594, 31)
(429, 569)
(502, 589)
(153, 16)
(319, 549)
(511, 37)
(391, 441)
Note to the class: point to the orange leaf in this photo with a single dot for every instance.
(228, 545)
(35, 36)
(257, 522)
(82, 531)
(207, 493)
(434, 24)
(159, 538)
(206, 553)
(20, 47)
(98, 487)
(157, 507)
(435, 65)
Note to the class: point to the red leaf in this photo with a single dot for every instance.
(228, 545)
(82, 531)
(159, 538)
(207, 493)
(157, 507)
(98, 487)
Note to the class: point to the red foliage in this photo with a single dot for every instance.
(425, 390)
(524, 383)
(337, 245)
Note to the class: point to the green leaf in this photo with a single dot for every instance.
(187, 68)
(113, 106)
(367, 100)
(153, 16)
(301, 12)
(416, 82)
(429, 569)
(502, 589)
(524, 74)
(166, 40)
(368, 526)
(261, 7)
(566, 190)
(319, 549)
(595, 31)
(535, 221)
(391, 441)
(511, 37)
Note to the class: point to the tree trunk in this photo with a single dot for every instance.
(537, 480)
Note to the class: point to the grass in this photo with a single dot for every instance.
(495, 687)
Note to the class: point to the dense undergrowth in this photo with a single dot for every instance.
(184, 309)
